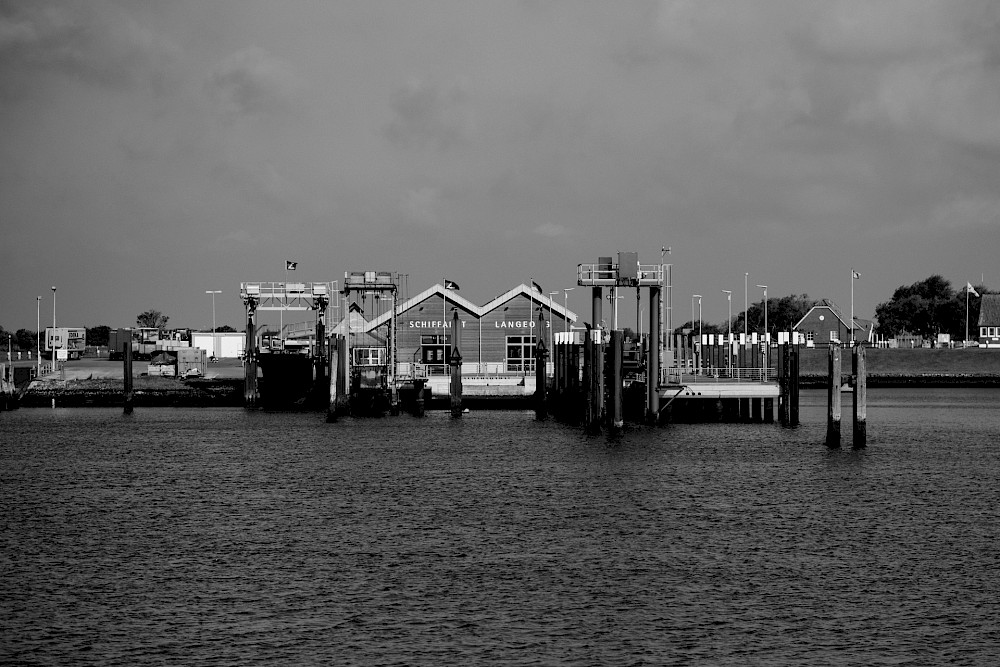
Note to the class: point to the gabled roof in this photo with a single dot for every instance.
(457, 299)
(989, 310)
(859, 324)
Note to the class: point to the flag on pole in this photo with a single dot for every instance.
(449, 284)
(535, 286)
(290, 266)
(970, 289)
(855, 274)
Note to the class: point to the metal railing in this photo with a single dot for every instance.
(709, 374)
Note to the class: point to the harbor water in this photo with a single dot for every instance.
(226, 537)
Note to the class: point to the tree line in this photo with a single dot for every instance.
(926, 308)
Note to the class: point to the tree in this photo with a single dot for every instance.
(99, 335)
(925, 308)
(152, 318)
(25, 339)
(225, 328)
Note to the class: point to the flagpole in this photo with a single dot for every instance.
(852, 307)
(965, 343)
(281, 312)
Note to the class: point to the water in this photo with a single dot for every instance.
(221, 537)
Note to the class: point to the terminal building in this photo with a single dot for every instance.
(497, 338)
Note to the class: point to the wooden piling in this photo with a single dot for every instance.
(614, 381)
(456, 366)
(860, 421)
(653, 358)
(541, 409)
(793, 386)
(126, 375)
(783, 384)
(334, 376)
(250, 393)
(418, 398)
(833, 403)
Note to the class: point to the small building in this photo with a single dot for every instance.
(989, 321)
(497, 338)
(825, 323)
(220, 344)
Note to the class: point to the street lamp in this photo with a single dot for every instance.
(38, 336)
(53, 326)
(764, 287)
(729, 329)
(566, 292)
(746, 304)
(213, 292)
(693, 297)
(767, 342)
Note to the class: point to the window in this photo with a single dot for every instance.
(369, 356)
(520, 354)
(810, 336)
(434, 352)
(834, 337)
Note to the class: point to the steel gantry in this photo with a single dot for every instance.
(628, 272)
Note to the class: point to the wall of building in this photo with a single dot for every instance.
(483, 340)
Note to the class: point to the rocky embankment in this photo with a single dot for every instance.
(147, 392)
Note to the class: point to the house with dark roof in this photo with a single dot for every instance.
(826, 324)
(989, 321)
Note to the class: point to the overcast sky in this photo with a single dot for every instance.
(150, 151)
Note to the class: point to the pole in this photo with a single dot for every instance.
(550, 325)
(729, 329)
(38, 335)
(767, 343)
(746, 305)
(852, 306)
(214, 342)
(566, 292)
(54, 363)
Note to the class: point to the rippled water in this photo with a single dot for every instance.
(217, 536)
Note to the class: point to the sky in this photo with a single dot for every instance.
(150, 151)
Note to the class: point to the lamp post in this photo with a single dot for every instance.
(53, 326)
(729, 329)
(693, 297)
(38, 336)
(213, 292)
(767, 342)
(746, 304)
(566, 292)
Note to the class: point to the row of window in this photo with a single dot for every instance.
(989, 332)
(435, 350)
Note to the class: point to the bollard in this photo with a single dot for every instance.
(333, 358)
(418, 402)
(456, 366)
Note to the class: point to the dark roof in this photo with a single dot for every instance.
(989, 310)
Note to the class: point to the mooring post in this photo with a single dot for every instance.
(653, 357)
(833, 403)
(793, 386)
(250, 361)
(456, 366)
(541, 410)
(589, 381)
(343, 376)
(783, 384)
(418, 400)
(334, 375)
(126, 374)
(614, 393)
(860, 397)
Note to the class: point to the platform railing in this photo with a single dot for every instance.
(717, 374)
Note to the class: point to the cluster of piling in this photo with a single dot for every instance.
(858, 381)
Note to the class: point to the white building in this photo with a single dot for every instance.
(220, 344)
